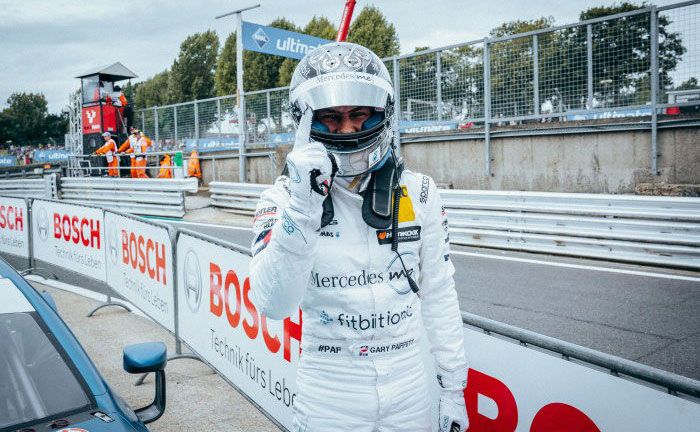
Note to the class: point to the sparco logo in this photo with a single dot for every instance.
(43, 224)
(193, 281)
(113, 243)
(424, 184)
(260, 38)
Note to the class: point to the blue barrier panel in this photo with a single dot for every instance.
(53, 156)
(8, 160)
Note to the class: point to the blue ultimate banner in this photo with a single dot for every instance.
(270, 40)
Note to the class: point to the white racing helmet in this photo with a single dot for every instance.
(346, 74)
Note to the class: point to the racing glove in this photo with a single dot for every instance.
(453, 411)
(310, 174)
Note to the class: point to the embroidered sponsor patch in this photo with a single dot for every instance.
(405, 234)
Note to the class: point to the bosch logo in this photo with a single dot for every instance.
(193, 281)
(43, 224)
(260, 38)
(113, 242)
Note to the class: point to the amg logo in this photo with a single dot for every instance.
(405, 234)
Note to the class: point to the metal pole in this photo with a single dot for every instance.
(589, 61)
(143, 119)
(654, 75)
(218, 117)
(487, 109)
(175, 123)
(269, 121)
(241, 99)
(438, 77)
(397, 104)
(155, 120)
(196, 120)
(536, 74)
(213, 168)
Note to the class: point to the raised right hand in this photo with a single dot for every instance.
(310, 168)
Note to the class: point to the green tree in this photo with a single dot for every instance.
(512, 69)
(318, 26)
(152, 92)
(621, 59)
(689, 84)
(225, 78)
(371, 29)
(27, 116)
(192, 73)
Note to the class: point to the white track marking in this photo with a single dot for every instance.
(207, 225)
(579, 266)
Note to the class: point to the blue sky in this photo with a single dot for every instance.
(44, 44)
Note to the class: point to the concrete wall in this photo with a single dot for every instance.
(603, 162)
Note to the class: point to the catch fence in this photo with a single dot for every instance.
(643, 63)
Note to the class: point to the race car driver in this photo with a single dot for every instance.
(361, 245)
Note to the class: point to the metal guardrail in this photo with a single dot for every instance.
(155, 197)
(45, 187)
(649, 230)
(238, 197)
(673, 383)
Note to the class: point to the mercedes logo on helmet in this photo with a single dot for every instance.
(113, 243)
(193, 281)
(43, 224)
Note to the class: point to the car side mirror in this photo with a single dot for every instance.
(148, 357)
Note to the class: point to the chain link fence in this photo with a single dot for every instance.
(642, 63)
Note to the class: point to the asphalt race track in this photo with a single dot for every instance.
(645, 314)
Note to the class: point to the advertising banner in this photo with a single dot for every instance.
(69, 236)
(515, 388)
(8, 160)
(219, 322)
(140, 266)
(92, 119)
(510, 388)
(14, 227)
(285, 43)
(53, 156)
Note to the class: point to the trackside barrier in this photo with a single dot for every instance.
(518, 380)
(45, 187)
(155, 197)
(649, 230)
(239, 197)
(14, 226)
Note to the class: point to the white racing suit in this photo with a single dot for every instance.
(360, 367)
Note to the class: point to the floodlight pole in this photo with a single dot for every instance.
(239, 88)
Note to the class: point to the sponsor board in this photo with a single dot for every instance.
(69, 236)
(219, 322)
(14, 227)
(54, 156)
(285, 43)
(140, 266)
(8, 160)
(514, 388)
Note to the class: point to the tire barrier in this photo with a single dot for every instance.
(197, 287)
